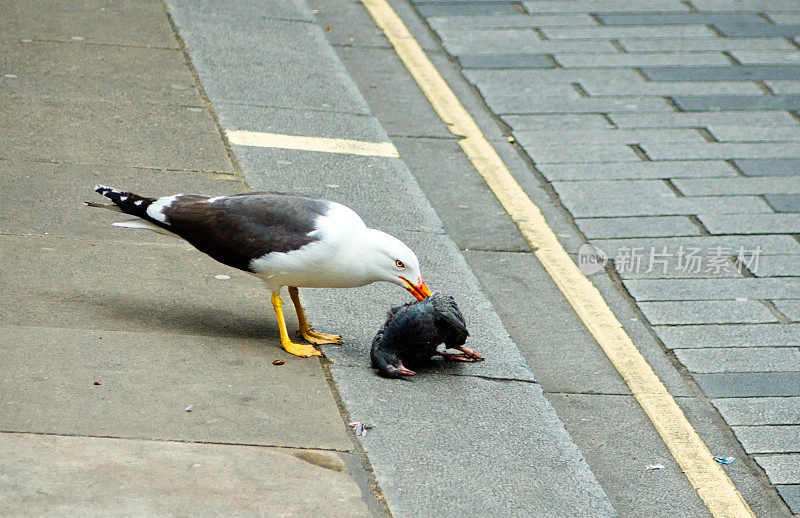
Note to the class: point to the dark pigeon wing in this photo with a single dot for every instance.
(236, 229)
(449, 316)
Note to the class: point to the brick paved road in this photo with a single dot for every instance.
(669, 129)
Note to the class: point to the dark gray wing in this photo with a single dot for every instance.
(236, 229)
(450, 321)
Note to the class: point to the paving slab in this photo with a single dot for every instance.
(109, 72)
(263, 60)
(761, 335)
(769, 166)
(511, 21)
(705, 312)
(750, 359)
(784, 202)
(638, 171)
(784, 87)
(24, 211)
(501, 92)
(654, 265)
(723, 151)
(746, 5)
(599, 6)
(147, 379)
(103, 132)
(619, 442)
(769, 439)
(97, 476)
(693, 18)
(691, 120)
(505, 61)
(539, 122)
(595, 228)
(613, 88)
(652, 198)
(595, 136)
(536, 104)
(688, 30)
(752, 224)
(736, 102)
(460, 444)
(738, 31)
(468, 8)
(755, 133)
(781, 469)
(704, 44)
(552, 153)
(751, 57)
(777, 266)
(501, 41)
(714, 289)
(139, 23)
(700, 246)
(749, 384)
(722, 73)
(521, 77)
(791, 494)
(648, 59)
(762, 410)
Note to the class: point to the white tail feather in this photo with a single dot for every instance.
(145, 225)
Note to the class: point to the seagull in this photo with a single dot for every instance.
(413, 333)
(289, 240)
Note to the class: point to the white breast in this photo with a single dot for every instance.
(332, 261)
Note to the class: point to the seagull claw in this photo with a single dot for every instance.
(301, 350)
(316, 338)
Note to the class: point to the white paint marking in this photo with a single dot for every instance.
(222, 277)
(319, 144)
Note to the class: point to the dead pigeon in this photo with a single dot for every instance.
(413, 332)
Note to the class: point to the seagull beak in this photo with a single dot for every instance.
(419, 290)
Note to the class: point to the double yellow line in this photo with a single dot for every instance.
(706, 476)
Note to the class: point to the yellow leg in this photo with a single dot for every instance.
(302, 350)
(305, 329)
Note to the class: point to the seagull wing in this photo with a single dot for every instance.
(236, 229)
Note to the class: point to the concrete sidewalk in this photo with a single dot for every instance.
(137, 374)
(138, 377)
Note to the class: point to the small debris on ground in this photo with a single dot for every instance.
(278, 362)
(724, 460)
(654, 467)
(222, 277)
(190, 408)
(96, 383)
(359, 428)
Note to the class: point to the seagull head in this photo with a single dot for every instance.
(391, 260)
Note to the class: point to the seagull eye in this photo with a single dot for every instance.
(400, 264)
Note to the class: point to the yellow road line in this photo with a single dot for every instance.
(321, 144)
(706, 476)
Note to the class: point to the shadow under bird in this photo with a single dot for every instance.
(289, 240)
(413, 332)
